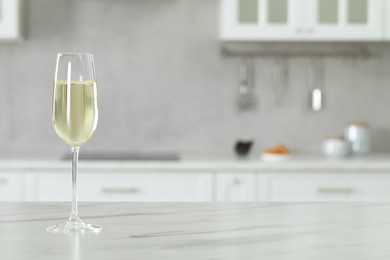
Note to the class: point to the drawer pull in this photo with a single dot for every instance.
(3, 181)
(310, 30)
(120, 190)
(236, 181)
(327, 190)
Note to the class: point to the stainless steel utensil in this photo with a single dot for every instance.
(315, 82)
(246, 99)
(316, 99)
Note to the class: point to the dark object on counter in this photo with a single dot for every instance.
(243, 148)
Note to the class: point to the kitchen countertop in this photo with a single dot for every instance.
(344, 231)
(376, 162)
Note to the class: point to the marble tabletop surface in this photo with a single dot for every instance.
(200, 231)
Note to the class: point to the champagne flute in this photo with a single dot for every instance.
(75, 116)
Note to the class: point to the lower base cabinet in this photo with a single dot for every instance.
(122, 186)
(11, 186)
(195, 186)
(327, 187)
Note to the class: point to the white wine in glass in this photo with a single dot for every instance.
(75, 117)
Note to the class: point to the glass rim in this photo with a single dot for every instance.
(75, 53)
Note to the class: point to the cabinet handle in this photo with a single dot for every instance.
(236, 181)
(3, 181)
(299, 30)
(329, 190)
(120, 190)
(230, 186)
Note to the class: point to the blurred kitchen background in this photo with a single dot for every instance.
(165, 86)
(196, 97)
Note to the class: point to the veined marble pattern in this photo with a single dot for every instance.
(344, 231)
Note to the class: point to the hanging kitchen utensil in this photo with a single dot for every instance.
(246, 99)
(315, 83)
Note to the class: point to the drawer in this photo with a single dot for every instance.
(329, 187)
(11, 186)
(139, 186)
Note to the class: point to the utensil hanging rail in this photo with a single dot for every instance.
(359, 53)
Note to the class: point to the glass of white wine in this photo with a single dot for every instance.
(75, 116)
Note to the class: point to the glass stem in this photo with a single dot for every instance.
(75, 159)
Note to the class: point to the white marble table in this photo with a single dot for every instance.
(200, 231)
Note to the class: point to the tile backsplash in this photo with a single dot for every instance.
(163, 85)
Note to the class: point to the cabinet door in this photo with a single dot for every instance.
(261, 19)
(343, 20)
(329, 187)
(386, 18)
(170, 186)
(11, 186)
(236, 187)
(54, 185)
(122, 186)
(9, 19)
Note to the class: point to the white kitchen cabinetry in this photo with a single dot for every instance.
(303, 20)
(11, 184)
(386, 15)
(236, 187)
(146, 186)
(328, 187)
(10, 19)
(345, 20)
(261, 19)
(122, 186)
(53, 185)
(186, 185)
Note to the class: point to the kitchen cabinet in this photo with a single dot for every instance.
(49, 185)
(347, 20)
(10, 24)
(236, 186)
(146, 186)
(328, 186)
(386, 11)
(11, 186)
(303, 20)
(121, 186)
(260, 19)
(185, 183)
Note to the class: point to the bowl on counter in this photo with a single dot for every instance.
(335, 147)
(274, 157)
(276, 153)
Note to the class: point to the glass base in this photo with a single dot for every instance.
(74, 225)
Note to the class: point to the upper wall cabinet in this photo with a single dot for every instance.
(260, 19)
(345, 20)
(10, 19)
(303, 20)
